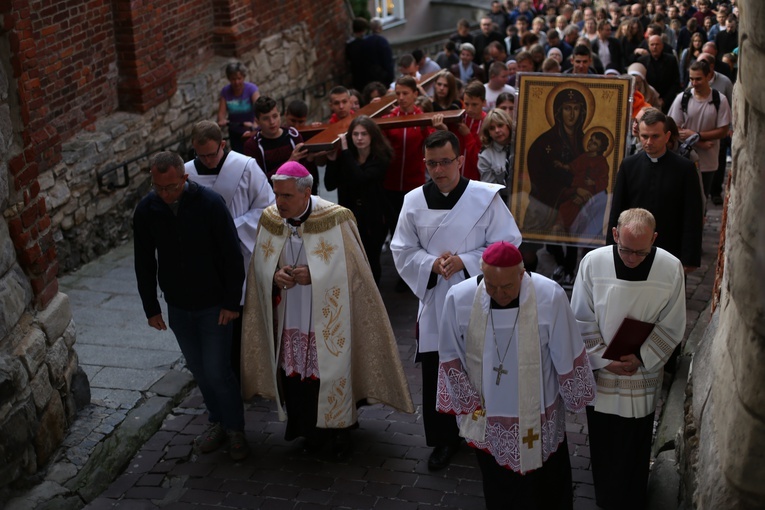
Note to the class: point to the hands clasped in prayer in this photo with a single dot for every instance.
(627, 366)
(447, 264)
(288, 276)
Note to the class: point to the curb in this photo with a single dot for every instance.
(67, 486)
(664, 478)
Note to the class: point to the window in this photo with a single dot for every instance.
(389, 10)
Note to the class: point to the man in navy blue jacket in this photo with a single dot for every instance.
(185, 238)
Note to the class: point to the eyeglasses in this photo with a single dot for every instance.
(170, 188)
(432, 163)
(209, 156)
(627, 252)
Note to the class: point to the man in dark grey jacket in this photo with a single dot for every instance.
(185, 238)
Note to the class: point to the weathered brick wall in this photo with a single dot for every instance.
(85, 85)
(39, 371)
(66, 56)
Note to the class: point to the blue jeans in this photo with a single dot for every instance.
(207, 349)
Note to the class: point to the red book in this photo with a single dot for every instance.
(628, 339)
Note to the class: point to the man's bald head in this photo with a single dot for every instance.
(711, 48)
(708, 58)
(655, 46)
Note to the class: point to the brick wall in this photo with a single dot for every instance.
(66, 57)
(85, 85)
(76, 62)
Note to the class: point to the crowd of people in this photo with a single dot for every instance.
(272, 291)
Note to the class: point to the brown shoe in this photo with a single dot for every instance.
(212, 439)
(238, 449)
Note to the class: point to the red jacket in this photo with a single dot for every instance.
(407, 169)
(470, 146)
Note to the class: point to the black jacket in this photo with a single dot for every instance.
(194, 254)
(671, 191)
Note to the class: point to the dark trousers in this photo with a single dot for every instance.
(236, 347)
(706, 181)
(206, 345)
(620, 452)
(548, 487)
(395, 201)
(718, 180)
(440, 428)
(373, 235)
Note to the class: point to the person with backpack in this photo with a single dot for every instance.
(704, 111)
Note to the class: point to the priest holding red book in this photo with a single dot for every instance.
(630, 279)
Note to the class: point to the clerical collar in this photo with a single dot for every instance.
(203, 170)
(436, 200)
(515, 303)
(633, 274)
(296, 222)
(656, 160)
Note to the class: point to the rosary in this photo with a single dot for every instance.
(500, 369)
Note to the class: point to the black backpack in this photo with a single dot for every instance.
(687, 97)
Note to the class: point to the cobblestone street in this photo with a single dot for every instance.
(387, 470)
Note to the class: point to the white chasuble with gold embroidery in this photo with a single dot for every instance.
(321, 316)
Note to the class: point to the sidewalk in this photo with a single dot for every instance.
(139, 429)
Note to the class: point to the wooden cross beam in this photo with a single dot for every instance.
(324, 137)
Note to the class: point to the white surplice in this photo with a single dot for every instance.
(566, 380)
(477, 220)
(246, 191)
(601, 301)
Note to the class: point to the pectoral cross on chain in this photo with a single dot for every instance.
(530, 438)
(499, 372)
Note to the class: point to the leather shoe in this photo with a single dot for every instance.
(717, 199)
(311, 445)
(342, 445)
(441, 456)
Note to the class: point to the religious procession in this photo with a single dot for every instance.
(447, 164)
(535, 190)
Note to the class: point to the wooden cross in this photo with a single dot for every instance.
(499, 372)
(324, 137)
(530, 438)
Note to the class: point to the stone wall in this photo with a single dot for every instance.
(86, 87)
(725, 449)
(41, 385)
(87, 220)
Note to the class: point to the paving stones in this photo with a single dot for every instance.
(132, 402)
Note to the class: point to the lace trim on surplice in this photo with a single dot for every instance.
(298, 354)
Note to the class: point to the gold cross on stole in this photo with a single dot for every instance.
(530, 438)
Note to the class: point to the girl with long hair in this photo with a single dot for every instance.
(631, 41)
(357, 173)
(689, 56)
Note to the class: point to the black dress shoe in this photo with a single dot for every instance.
(342, 445)
(311, 445)
(717, 199)
(441, 456)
